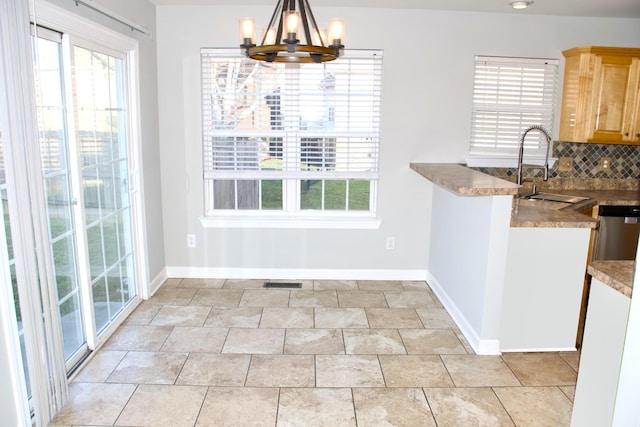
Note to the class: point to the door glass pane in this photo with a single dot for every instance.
(54, 156)
(120, 191)
(56, 187)
(110, 242)
(102, 128)
(100, 303)
(107, 182)
(124, 245)
(115, 288)
(72, 327)
(96, 253)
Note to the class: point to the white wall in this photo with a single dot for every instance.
(428, 67)
(543, 286)
(467, 262)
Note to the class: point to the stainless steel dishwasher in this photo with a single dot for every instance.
(618, 232)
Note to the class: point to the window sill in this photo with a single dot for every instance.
(289, 221)
(506, 162)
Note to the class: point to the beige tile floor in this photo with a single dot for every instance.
(333, 353)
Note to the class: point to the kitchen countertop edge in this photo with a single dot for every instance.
(617, 274)
(464, 181)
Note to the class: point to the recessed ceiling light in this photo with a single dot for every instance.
(520, 4)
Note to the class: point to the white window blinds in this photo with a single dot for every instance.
(290, 121)
(509, 95)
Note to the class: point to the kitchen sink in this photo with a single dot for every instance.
(552, 197)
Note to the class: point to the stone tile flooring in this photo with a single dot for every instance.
(333, 353)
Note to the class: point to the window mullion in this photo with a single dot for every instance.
(346, 195)
(291, 190)
(290, 103)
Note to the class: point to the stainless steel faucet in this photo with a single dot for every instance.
(547, 134)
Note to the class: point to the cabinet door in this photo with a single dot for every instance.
(615, 97)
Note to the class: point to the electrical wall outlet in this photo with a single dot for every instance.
(391, 243)
(191, 240)
(565, 164)
(605, 163)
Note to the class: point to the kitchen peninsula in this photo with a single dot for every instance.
(510, 274)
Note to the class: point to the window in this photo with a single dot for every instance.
(284, 141)
(509, 95)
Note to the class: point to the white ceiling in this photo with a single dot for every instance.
(594, 8)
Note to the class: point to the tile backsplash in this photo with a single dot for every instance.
(625, 162)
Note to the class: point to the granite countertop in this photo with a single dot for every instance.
(541, 214)
(468, 182)
(538, 213)
(616, 274)
(528, 213)
(604, 197)
(465, 181)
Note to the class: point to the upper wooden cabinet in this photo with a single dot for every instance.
(601, 95)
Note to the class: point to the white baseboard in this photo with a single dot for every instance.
(480, 346)
(157, 282)
(488, 347)
(278, 273)
(539, 350)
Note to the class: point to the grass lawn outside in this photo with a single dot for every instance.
(335, 195)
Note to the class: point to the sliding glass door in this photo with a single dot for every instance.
(56, 172)
(100, 95)
(81, 98)
(71, 257)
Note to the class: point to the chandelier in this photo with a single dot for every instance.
(292, 21)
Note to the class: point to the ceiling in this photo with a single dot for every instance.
(593, 8)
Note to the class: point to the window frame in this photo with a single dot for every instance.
(292, 215)
(538, 84)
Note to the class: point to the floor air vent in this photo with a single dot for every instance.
(283, 285)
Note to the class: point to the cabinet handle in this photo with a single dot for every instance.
(637, 135)
(626, 134)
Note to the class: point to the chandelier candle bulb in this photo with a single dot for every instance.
(247, 31)
(336, 32)
(270, 36)
(292, 19)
